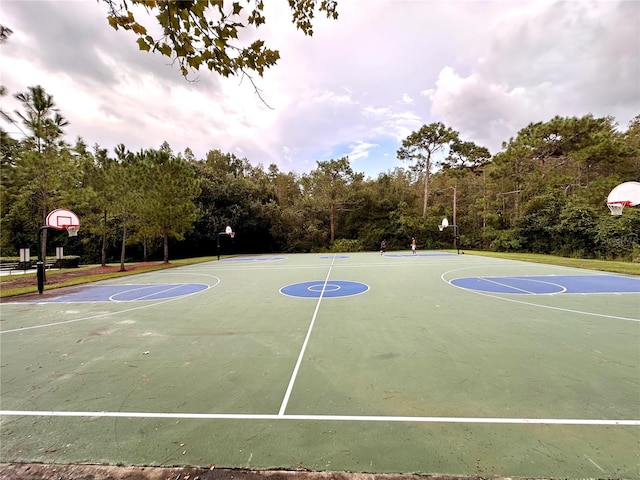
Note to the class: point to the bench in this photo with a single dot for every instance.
(10, 266)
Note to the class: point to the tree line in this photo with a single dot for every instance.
(544, 192)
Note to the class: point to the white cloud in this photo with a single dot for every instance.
(360, 85)
(486, 112)
(360, 150)
(542, 60)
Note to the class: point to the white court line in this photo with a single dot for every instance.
(108, 314)
(146, 287)
(568, 310)
(561, 289)
(285, 401)
(325, 418)
(505, 285)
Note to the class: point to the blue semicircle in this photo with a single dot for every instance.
(326, 289)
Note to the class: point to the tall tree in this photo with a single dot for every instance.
(96, 200)
(463, 157)
(285, 218)
(170, 190)
(45, 164)
(420, 148)
(585, 156)
(41, 117)
(5, 32)
(332, 188)
(125, 185)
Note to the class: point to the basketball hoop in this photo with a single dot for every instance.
(73, 230)
(440, 227)
(617, 207)
(626, 194)
(231, 234)
(62, 219)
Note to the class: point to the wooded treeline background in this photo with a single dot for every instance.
(544, 192)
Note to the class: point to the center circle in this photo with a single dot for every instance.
(329, 287)
(324, 289)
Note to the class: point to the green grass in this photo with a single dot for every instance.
(627, 268)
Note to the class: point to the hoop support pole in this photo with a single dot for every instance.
(228, 234)
(40, 263)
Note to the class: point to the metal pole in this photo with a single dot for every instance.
(229, 233)
(218, 247)
(455, 219)
(40, 263)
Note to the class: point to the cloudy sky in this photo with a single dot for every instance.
(358, 87)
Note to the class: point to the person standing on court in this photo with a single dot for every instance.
(413, 245)
(383, 246)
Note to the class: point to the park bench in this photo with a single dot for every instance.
(10, 266)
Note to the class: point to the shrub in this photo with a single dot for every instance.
(68, 262)
(506, 241)
(345, 245)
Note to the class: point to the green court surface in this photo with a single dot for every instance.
(354, 362)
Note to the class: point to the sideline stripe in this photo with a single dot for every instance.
(331, 418)
(103, 315)
(285, 401)
(521, 302)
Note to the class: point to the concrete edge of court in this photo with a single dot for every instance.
(33, 471)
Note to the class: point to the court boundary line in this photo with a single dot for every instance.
(103, 315)
(294, 375)
(332, 418)
(550, 307)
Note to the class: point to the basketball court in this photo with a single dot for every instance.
(431, 363)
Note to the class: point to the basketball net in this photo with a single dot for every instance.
(616, 207)
(441, 227)
(232, 234)
(73, 230)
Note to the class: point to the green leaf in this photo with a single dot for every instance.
(143, 45)
(165, 49)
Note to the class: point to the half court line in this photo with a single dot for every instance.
(330, 418)
(285, 401)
